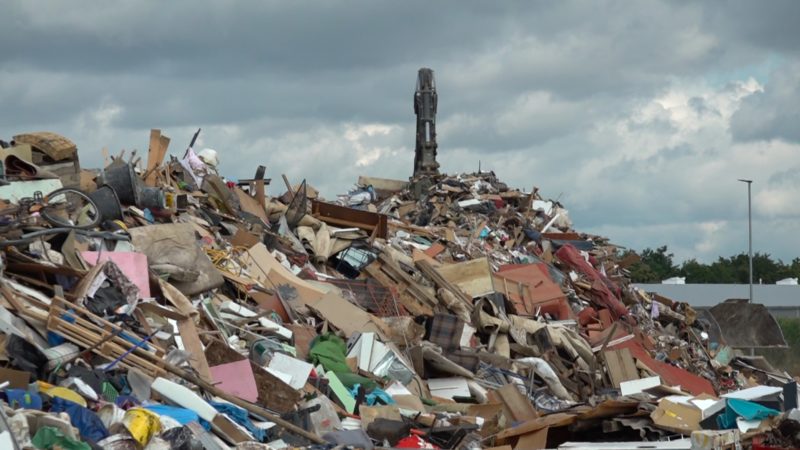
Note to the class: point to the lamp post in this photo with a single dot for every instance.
(750, 235)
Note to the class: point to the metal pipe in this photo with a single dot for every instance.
(749, 236)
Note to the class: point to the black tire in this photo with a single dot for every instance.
(71, 208)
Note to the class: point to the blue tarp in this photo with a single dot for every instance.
(87, 422)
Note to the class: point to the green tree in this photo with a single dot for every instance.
(696, 272)
(657, 265)
(654, 267)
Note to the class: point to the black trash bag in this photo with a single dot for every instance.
(93, 377)
(25, 356)
(382, 429)
(106, 301)
(182, 438)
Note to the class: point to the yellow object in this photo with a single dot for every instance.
(44, 386)
(121, 224)
(66, 394)
(142, 424)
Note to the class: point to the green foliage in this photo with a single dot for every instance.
(657, 265)
(787, 359)
(791, 330)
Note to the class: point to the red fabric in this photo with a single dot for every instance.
(601, 293)
(414, 442)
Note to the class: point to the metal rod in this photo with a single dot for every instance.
(749, 236)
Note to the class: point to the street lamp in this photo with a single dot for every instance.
(750, 235)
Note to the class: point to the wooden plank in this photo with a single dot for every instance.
(412, 305)
(517, 404)
(474, 277)
(532, 441)
(621, 366)
(192, 344)
(399, 275)
(152, 156)
(350, 217)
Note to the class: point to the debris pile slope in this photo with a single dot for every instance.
(156, 304)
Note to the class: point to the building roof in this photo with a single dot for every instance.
(707, 295)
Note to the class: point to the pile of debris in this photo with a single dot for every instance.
(171, 308)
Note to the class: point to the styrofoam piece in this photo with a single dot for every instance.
(185, 397)
(637, 386)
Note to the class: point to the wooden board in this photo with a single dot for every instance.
(474, 277)
(621, 366)
(516, 406)
(192, 344)
(251, 205)
(532, 441)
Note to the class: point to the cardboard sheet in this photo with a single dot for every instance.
(676, 416)
(298, 370)
(236, 378)
(348, 317)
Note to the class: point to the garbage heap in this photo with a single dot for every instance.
(445, 312)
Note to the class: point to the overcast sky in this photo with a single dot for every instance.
(638, 116)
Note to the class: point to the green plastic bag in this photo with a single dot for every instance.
(49, 437)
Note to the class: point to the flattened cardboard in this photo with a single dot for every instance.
(244, 238)
(237, 379)
(298, 370)
(676, 417)
(348, 317)
(18, 379)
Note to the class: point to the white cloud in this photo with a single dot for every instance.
(624, 111)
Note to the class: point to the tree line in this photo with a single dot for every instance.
(657, 265)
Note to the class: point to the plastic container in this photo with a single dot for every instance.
(152, 198)
(126, 184)
(107, 203)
